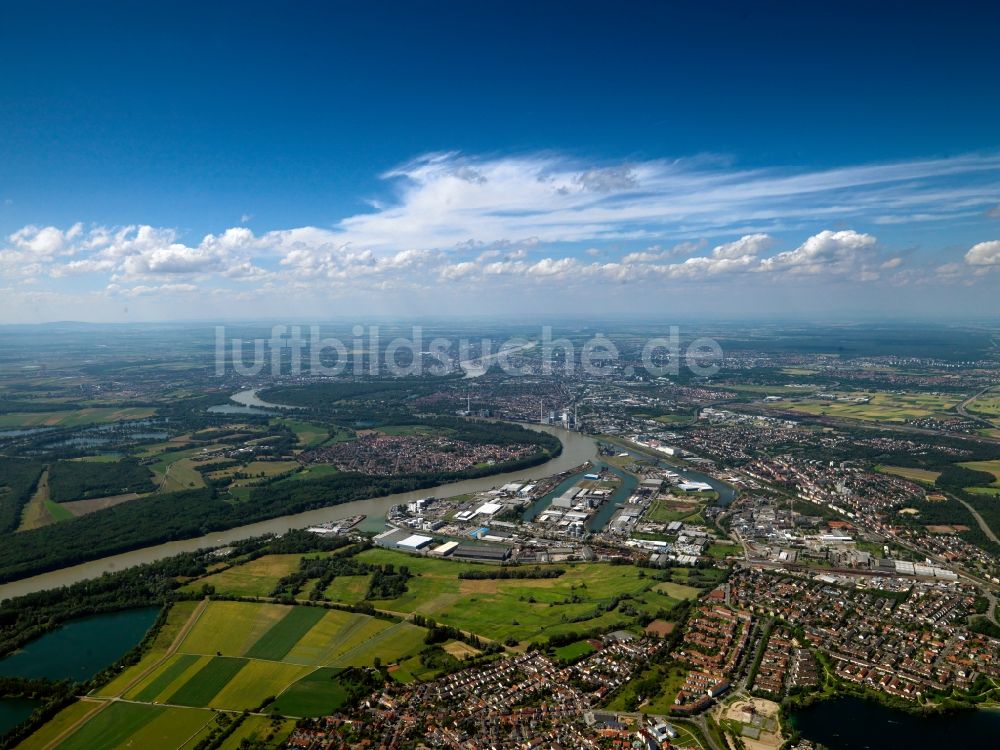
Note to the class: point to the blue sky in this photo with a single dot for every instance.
(313, 159)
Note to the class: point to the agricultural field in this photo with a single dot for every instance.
(280, 637)
(41, 509)
(175, 471)
(180, 613)
(348, 589)
(316, 694)
(313, 471)
(577, 600)
(255, 578)
(232, 656)
(674, 419)
(311, 435)
(573, 651)
(986, 405)
(412, 429)
(256, 470)
(924, 476)
(880, 407)
(58, 725)
(678, 590)
(129, 725)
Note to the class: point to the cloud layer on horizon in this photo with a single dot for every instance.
(550, 221)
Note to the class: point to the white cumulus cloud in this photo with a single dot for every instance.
(984, 254)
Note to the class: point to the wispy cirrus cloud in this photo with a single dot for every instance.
(556, 200)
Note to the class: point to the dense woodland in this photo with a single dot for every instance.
(326, 396)
(79, 480)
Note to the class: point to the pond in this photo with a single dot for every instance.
(855, 724)
(23, 432)
(81, 648)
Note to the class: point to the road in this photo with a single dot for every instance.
(979, 519)
(961, 409)
(698, 721)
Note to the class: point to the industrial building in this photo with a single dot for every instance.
(481, 552)
(414, 542)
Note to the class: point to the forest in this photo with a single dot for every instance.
(79, 480)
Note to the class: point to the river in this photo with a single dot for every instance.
(250, 398)
(726, 493)
(248, 402)
(850, 723)
(577, 449)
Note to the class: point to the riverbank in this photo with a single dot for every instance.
(576, 449)
(726, 492)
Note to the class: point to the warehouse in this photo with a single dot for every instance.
(414, 542)
(484, 553)
(444, 550)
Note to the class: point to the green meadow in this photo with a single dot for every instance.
(523, 609)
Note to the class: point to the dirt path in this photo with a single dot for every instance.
(94, 504)
(171, 649)
(101, 703)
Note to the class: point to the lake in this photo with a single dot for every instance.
(15, 710)
(850, 723)
(81, 648)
